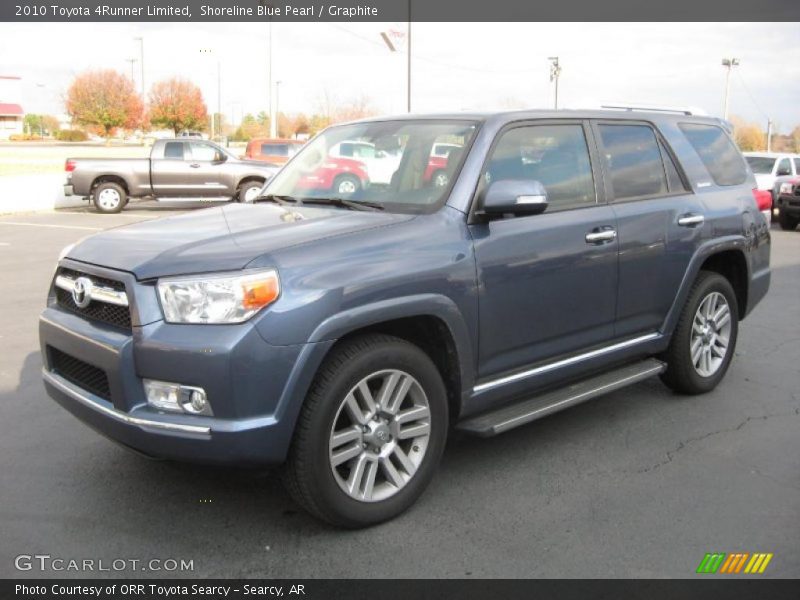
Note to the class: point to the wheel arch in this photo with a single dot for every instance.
(726, 256)
(110, 179)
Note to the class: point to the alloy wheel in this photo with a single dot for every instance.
(711, 330)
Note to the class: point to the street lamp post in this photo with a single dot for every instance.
(728, 63)
(141, 61)
(133, 77)
(387, 40)
(277, 106)
(555, 73)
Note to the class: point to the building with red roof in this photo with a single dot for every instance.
(12, 115)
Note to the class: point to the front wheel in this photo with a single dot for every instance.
(788, 222)
(249, 191)
(346, 185)
(370, 434)
(704, 340)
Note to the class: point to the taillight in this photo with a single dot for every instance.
(69, 166)
(763, 199)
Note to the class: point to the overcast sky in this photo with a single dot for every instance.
(456, 66)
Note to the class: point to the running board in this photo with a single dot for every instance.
(525, 411)
(193, 198)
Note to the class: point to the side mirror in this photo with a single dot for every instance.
(220, 157)
(515, 196)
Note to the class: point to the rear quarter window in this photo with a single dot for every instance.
(718, 153)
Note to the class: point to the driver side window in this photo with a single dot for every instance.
(557, 156)
(203, 152)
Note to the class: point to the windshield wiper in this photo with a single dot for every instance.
(345, 203)
(278, 199)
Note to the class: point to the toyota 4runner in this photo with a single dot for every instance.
(569, 254)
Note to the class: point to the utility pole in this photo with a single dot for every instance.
(277, 106)
(273, 125)
(555, 73)
(728, 63)
(408, 66)
(219, 96)
(769, 135)
(133, 62)
(141, 61)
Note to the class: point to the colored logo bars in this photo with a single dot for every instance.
(720, 562)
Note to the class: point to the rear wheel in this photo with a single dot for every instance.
(704, 340)
(109, 197)
(371, 432)
(788, 222)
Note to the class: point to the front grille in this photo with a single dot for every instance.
(80, 373)
(118, 316)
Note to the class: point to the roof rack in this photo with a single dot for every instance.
(681, 110)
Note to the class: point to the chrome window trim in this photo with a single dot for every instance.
(78, 394)
(564, 363)
(99, 293)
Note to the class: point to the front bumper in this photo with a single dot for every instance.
(254, 388)
(789, 204)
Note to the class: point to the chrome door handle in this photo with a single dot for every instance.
(691, 220)
(195, 165)
(598, 237)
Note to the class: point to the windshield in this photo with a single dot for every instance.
(761, 164)
(387, 163)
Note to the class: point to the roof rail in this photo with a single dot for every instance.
(681, 110)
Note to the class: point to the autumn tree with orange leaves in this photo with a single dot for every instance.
(104, 99)
(177, 104)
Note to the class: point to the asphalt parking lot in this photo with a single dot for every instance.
(640, 483)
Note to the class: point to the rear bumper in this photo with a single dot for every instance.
(69, 190)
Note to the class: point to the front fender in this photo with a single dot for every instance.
(435, 305)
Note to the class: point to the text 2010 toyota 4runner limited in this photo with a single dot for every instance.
(569, 254)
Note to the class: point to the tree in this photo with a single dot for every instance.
(41, 124)
(104, 99)
(177, 104)
(795, 139)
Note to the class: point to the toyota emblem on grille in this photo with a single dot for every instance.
(82, 292)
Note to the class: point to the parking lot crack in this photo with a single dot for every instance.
(671, 454)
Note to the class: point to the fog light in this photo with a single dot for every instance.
(174, 397)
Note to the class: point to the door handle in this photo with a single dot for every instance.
(691, 220)
(601, 236)
(195, 165)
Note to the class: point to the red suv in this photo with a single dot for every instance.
(272, 150)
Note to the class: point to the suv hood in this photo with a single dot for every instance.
(219, 239)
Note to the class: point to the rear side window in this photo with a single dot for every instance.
(634, 160)
(275, 149)
(797, 165)
(173, 150)
(718, 153)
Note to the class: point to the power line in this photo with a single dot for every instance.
(750, 94)
(433, 60)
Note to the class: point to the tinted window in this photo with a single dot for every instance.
(673, 177)
(555, 155)
(784, 168)
(275, 149)
(797, 165)
(173, 150)
(634, 161)
(718, 153)
(203, 152)
(760, 164)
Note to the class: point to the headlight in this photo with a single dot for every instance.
(219, 297)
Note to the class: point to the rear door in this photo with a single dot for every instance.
(660, 221)
(548, 282)
(171, 173)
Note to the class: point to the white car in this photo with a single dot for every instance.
(380, 164)
(766, 166)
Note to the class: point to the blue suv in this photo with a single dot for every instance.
(341, 335)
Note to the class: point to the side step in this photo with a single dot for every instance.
(525, 411)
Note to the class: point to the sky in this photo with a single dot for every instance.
(455, 66)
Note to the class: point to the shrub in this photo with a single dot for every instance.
(71, 135)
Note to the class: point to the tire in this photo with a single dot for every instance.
(318, 470)
(685, 375)
(788, 222)
(248, 191)
(439, 179)
(109, 198)
(346, 184)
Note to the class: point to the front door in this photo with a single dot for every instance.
(548, 282)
